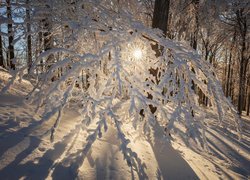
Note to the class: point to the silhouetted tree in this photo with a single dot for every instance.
(11, 54)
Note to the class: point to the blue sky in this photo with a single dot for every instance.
(19, 45)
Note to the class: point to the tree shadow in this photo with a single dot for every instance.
(104, 165)
(239, 163)
(15, 170)
(41, 166)
(222, 145)
(169, 160)
(11, 132)
(11, 139)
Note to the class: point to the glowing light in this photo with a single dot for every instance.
(137, 54)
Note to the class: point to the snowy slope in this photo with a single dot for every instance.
(27, 153)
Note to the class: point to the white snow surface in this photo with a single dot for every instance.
(27, 153)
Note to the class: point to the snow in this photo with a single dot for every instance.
(26, 151)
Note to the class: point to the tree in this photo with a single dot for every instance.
(160, 15)
(160, 21)
(41, 31)
(229, 69)
(1, 48)
(29, 49)
(247, 103)
(1, 52)
(47, 35)
(241, 16)
(11, 54)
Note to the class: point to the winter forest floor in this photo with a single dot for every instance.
(27, 153)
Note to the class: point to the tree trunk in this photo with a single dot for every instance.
(246, 95)
(248, 102)
(231, 84)
(194, 35)
(47, 37)
(47, 42)
(40, 42)
(11, 54)
(225, 78)
(29, 50)
(160, 16)
(241, 20)
(230, 70)
(160, 20)
(228, 75)
(7, 59)
(1, 53)
(242, 84)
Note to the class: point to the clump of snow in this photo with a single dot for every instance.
(18, 86)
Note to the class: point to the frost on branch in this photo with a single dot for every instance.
(97, 72)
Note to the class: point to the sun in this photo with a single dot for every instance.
(134, 51)
(137, 53)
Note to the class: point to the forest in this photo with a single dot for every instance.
(96, 77)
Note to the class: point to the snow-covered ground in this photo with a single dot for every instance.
(27, 153)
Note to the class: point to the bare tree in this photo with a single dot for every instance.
(47, 37)
(194, 35)
(1, 53)
(11, 54)
(29, 50)
(241, 19)
(248, 95)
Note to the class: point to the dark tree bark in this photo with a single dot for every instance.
(242, 25)
(40, 42)
(248, 101)
(11, 54)
(29, 50)
(160, 15)
(246, 95)
(160, 20)
(47, 36)
(231, 82)
(194, 36)
(1, 53)
(224, 82)
(229, 72)
(47, 42)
